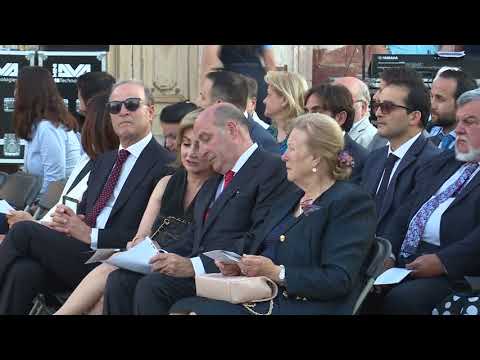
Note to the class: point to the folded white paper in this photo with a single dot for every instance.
(5, 207)
(224, 256)
(137, 258)
(392, 276)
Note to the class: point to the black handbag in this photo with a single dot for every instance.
(169, 230)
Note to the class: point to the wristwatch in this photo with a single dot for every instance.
(281, 274)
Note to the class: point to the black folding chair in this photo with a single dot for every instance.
(380, 252)
(49, 198)
(20, 190)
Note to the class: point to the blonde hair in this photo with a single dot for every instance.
(292, 87)
(325, 139)
(186, 123)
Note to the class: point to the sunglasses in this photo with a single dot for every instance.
(387, 107)
(131, 104)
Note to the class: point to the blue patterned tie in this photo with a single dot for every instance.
(446, 141)
(417, 225)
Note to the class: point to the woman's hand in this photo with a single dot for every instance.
(228, 269)
(253, 265)
(15, 216)
(137, 239)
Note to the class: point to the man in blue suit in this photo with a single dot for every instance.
(226, 86)
(336, 101)
(436, 233)
(390, 173)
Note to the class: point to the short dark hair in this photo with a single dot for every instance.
(418, 98)
(335, 98)
(92, 83)
(174, 113)
(464, 81)
(229, 87)
(97, 133)
(252, 87)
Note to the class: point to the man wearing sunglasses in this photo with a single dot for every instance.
(41, 257)
(402, 109)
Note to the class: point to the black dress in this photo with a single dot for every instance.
(172, 219)
(234, 58)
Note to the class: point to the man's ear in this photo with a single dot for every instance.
(341, 117)
(415, 118)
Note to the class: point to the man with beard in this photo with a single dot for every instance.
(446, 89)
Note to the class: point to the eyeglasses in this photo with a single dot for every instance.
(387, 107)
(131, 104)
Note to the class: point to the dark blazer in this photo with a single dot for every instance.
(377, 142)
(325, 251)
(128, 210)
(262, 137)
(435, 139)
(460, 223)
(403, 181)
(239, 211)
(359, 155)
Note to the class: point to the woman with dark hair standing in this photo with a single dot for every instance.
(41, 118)
(97, 137)
(243, 59)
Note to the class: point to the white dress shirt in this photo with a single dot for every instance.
(135, 151)
(400, 153)
(431, 234)
(363, 132)
(196, 262)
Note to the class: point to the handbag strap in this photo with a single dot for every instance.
(273, 285)
(86, 169)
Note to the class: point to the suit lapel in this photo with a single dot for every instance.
(377, 170)
(467, 189)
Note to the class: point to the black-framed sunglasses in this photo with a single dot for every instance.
(387, 107)
(131, 104)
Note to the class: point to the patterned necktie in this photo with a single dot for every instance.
(382, 190)
(446, 141)
(417, 225)
(107, 191)
(227, 179)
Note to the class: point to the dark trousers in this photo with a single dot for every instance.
(129, 293)
(33, 259)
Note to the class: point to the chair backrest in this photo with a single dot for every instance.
(3, 178)
(379, 252)
(49, 198)
(21, 189)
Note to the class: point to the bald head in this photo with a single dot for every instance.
(360, 95)
(221, 113)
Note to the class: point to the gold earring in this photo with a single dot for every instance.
(314, 169)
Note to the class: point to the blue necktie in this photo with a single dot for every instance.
(446, 141)
(417, 225)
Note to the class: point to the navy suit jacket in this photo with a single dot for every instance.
(459, 225)
(239, 211)
(325, 252)
(402, 182)
(262, 137)
(359, 154)
(123, 222)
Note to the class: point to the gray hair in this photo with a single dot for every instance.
(227, 111)
(148, 94)
(364, 93)
(468, 96)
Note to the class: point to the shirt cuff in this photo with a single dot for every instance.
(94, 239)
(197, 265)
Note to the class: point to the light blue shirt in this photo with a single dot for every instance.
(52, 153)
(413, 49)
(436, 130)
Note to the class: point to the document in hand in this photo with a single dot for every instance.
(227, 257)
(392, 276)
(5, 207)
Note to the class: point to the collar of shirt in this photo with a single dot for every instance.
(402, 149)
(137, 148)
(360, 122)
(244, 158)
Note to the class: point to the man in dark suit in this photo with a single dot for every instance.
(229, 211)
(226, 86)
(446, 89)
(390, 172)
(37, 258)
(336, 101)
(436, 232)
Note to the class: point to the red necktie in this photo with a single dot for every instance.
(107, 191)
(227, 179)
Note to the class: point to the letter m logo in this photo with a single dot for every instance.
(9, 69)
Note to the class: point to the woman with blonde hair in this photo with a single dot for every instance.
(315, 241)
(284, 102)
(173, 199)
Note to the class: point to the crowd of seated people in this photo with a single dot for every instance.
(301, 208)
